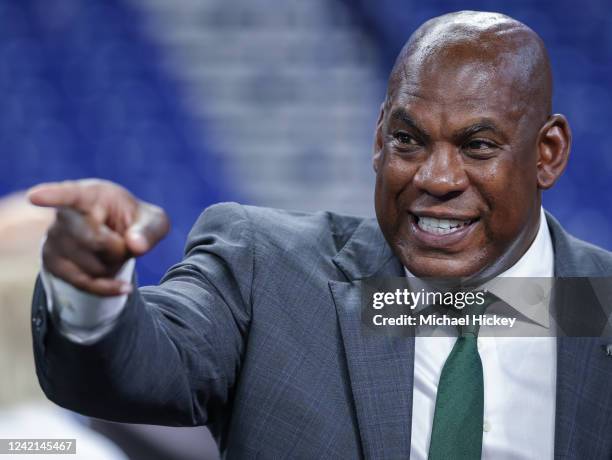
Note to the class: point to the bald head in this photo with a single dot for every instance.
(472, 46)
(466, 134)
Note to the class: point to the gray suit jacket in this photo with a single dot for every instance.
(257, 334)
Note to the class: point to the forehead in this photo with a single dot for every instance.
(459, 81)
(461, 92)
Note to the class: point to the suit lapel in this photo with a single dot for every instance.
(584, 371)
(380, 367)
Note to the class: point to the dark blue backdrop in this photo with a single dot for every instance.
(84, 94)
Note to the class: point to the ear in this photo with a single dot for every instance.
(378, 139)
(555, 139)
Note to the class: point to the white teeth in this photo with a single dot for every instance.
(440, 226)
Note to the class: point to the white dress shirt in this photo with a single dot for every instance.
(519, 378)
(83, 317)
(519, 372)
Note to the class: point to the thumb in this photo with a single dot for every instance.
(149, 227)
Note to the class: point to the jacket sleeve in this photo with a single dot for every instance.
(175, 352)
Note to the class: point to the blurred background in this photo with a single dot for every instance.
(266, 102)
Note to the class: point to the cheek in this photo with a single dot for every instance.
(394, 175)
(510, 192)
(392, 178)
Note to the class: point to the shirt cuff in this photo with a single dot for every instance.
(80, 316)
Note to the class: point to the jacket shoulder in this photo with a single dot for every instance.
(575, 257)
(287, 229)
(589, 255)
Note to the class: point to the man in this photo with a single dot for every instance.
(257, 332)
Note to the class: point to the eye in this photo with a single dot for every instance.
(481, 149)
(480, 145)
(404, 138)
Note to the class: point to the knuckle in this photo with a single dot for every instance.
(101, 185)
(96, 242)
(92, 239)
(80, 280)
(90, 182)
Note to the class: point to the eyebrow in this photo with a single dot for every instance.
(484, 124)
(403, 116)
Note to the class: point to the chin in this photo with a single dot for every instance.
(432, 266)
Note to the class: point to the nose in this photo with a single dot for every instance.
(442, 172)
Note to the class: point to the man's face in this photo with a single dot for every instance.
(456, 162)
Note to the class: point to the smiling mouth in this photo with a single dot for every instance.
(442, 226)
(447, 231)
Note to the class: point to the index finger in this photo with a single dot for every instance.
(61, 194)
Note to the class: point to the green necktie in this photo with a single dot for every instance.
(458, 418)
